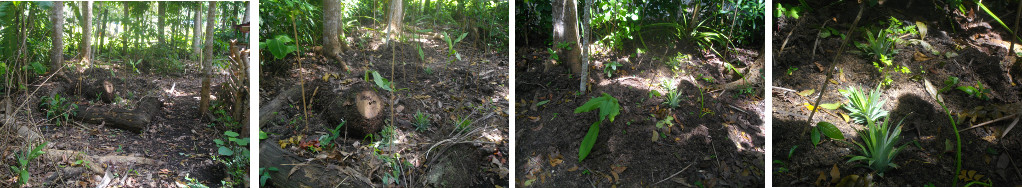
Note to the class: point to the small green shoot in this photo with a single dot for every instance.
(609, 109)
(421, 121)
(609, 68)
(978, 91)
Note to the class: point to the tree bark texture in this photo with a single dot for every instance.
(85, 49)
(207, 60)
(57, 51)
(566, 32)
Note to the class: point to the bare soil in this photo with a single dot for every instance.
(717, 139)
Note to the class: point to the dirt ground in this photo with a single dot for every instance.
(926, 128)
(176, 138)
(717, 139)
(442, 87)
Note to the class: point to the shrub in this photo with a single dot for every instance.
(59, 109)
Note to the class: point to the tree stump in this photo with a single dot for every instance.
(359, 106)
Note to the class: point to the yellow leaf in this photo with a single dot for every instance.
(655, 136)
(808, 106)
(808, 92)
(845, 116)
(573, 168)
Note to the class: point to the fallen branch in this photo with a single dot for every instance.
(675, 174)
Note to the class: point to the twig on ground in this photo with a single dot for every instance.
(675, 174)
(989, 122)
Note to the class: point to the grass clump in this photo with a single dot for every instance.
(864, 108)
(421, 121)
(879, 145)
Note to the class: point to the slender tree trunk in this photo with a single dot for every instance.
(57, 51)
(207, 60)
(102, 29)
(23, 42)
(162, 9)
(396, 19)
(124, 29)
(85, 47)
(196, 50)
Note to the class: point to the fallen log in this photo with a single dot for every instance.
(294, 171)
(131, 120)
(266, 112)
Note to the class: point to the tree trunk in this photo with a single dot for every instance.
(102, 29)
(124, 29)
(196, 39)
(395, 20)
(85, 47)
(57, 51)
(332, 43)
(22, 44)
(162, 9)
(566, 31)
(207, 60)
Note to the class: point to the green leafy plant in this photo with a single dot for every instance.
(134, 65)
(673, 95)
(978, 91)
(879, 145)
(334, 133)
(264, 174)
(949, 83)
(235, 155)
(421, 121)
(864, 108)
(451, 42)
(609, 68)
(381, 81)
(826, 32)
(463, 123)
(791, 70)
(826, 128)
(58, 109)
(880, 46)
(23, 159)
(278, 46)
(609, 109)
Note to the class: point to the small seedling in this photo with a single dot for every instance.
(421, 121)
(879, 145)
(978, 91)
(791, 70)
(609, 109)
(609, 68)
(826, 128)
(673, 96)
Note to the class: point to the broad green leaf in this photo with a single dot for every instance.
(225, 151)
(262, 135)
(231, 133)
(381, 81)
(541, 103)
(588, 141)
(815, 136)
(831, 106)
(830, 130)
(218, 141)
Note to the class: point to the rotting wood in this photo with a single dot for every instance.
(132, 120)
(301, 175)
(358, 105)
